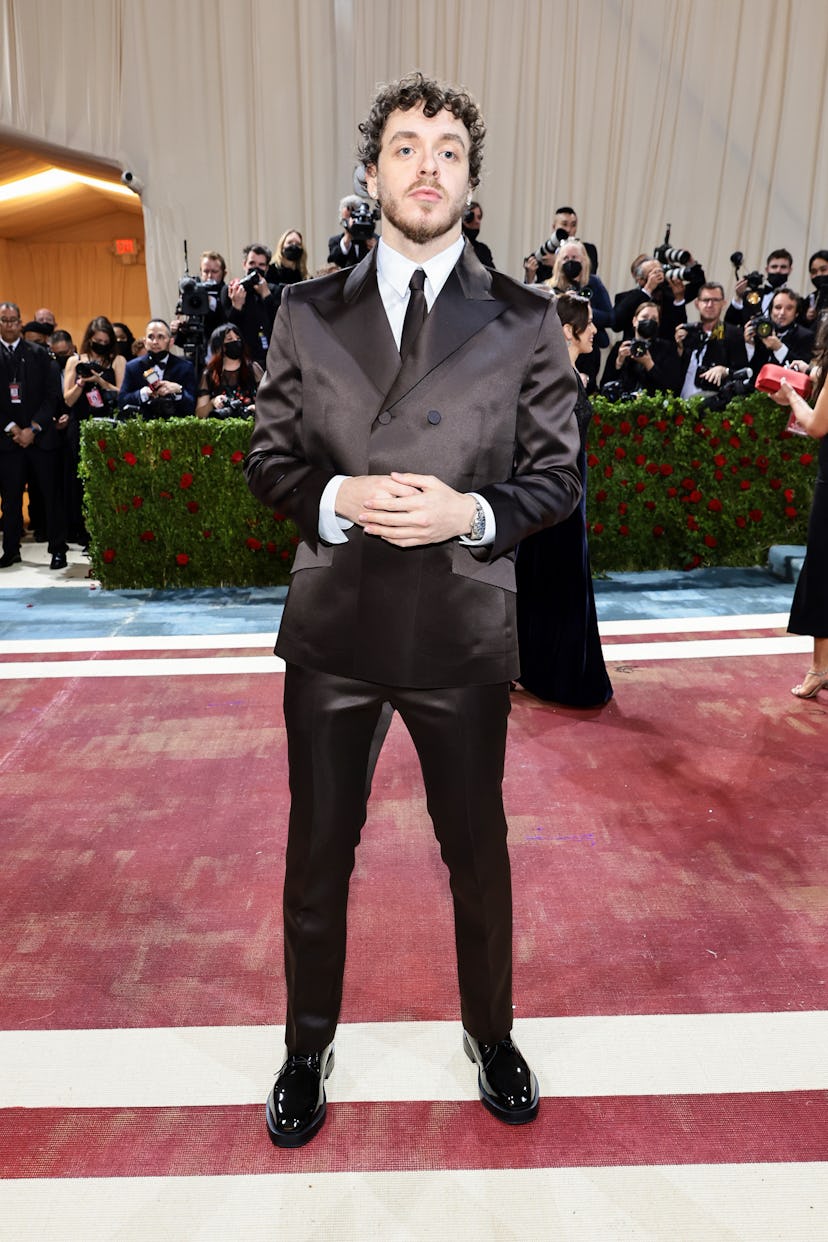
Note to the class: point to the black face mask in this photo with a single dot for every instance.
(101, 350)
(472, 234)
(820, 282)
(157, 355)
(572, 268)
(777, 279)
(61, 360)
(294, 253)
(233, 349)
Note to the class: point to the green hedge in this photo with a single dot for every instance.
(673, 485)
(167, 505)
(670, 485)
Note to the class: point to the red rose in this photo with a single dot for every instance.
(165, 495)
(609, 430)
(237, 457)
(206, 450)
(102, 445)
(678, 420)
(185, 481)
(672, 491)
(720, 459)
(137, 501)
(192, 506)
(714, 505)
(182, 558)
(692, 524)
(592, 460)
(271, 547)
(695, 497)
(695, 463)
(666, 469)
(688, 484)
(740, 521)
(718, 475)
(710, 540)
(786, 456)
(651, 467)
(285, 556)
(755, 515)
(694, 562)
(790, 511)
(254, 544)
(110, 463)
(607, 472)
(597, 528)
(294, 539)
(123, 508)
(762, 462)
(146, 536)
(745, 485)
(166, 455)
(130, 459)
(642, 420)
(747, 418)
(623, 530)
(806, 459)
(639, 487)
(207, 534)
(109, 555)
(600, 496)
(725, 424)
(280, 517)
(622, 508)
(620, 453)
(640, 459)
(789, 495)
(658, 531)
(735, 442)
(661, 425)
(625, 428)
(649, 504)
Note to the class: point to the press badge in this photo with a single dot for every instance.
(15, 392)
(263, 341)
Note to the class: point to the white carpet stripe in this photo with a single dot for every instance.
(627, 1055)
(265, 640)
(617, 653)
(668, 1203)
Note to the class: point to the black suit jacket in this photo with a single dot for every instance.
(726, 350)
(484, 401)
(178, 370)
(799, 342)
(39, 378)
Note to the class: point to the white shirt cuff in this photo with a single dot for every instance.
(331, 526)
(490, 528)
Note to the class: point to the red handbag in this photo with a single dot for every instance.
(772, 375)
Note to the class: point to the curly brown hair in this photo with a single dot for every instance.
(410, 92)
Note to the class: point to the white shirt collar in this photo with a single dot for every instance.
(395, 269)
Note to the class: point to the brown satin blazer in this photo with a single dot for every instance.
(484, 401)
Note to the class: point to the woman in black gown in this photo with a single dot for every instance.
(560, 649)
(809, 611)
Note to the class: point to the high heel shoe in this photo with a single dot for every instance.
(822, 682)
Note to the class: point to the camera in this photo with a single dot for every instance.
(694, 337)
(763, 326)
(194, 296)
(638, 349)
(234, 407)
(363, 218)
(249, 282)
(614, 391)
(672, 256)
(551, 245)
(132, 182)
(739, 383)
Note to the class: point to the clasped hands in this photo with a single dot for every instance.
(408, 510)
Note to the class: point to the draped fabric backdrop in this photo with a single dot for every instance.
(239, 116)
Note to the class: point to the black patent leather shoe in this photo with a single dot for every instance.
(9, 558)
(507, 1086)
(296, 1106)
(58, 560)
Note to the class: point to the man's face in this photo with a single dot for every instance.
(255, 262)
(779, 265)
(46, 317)
(652, 265)
(37, 338)
(9, 325)
(211, 269)
(421, 181)
(157, 338)
(62, 350)
(709, 304)
(783, 310)
(566, 220)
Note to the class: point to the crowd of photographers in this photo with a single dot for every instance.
(209, 358)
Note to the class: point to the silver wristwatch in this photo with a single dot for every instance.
(478, 527)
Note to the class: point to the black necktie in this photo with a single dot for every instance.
(415, 312)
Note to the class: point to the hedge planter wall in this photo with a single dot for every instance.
(670, 485)
(167, 505)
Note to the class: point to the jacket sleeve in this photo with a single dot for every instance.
(277, 471)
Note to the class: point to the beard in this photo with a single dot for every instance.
(430, 221)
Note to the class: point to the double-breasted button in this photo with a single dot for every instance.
(434, 417)
(384, 417)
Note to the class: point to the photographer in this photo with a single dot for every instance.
(92, 380)
(777, 337)
(347, 248)
(709, 351)
(230, 379)
(290, 262)
(669, 292)
(472, 220)
(571, 273)
(815, 303)
(644, 363)
(212, 271)
(159, 385)
(251, 303)
(537, 267)
(745, 303)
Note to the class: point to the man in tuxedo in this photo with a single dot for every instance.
(159, 384)
(416, 421)
(250, 304)
(787, 342)
(709, 351)
(30, 399)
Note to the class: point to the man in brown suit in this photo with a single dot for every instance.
(415, 421)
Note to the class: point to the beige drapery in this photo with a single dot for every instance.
(240, 116)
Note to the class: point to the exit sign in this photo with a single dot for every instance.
(125, 245)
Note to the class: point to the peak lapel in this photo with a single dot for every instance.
(357, 317)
